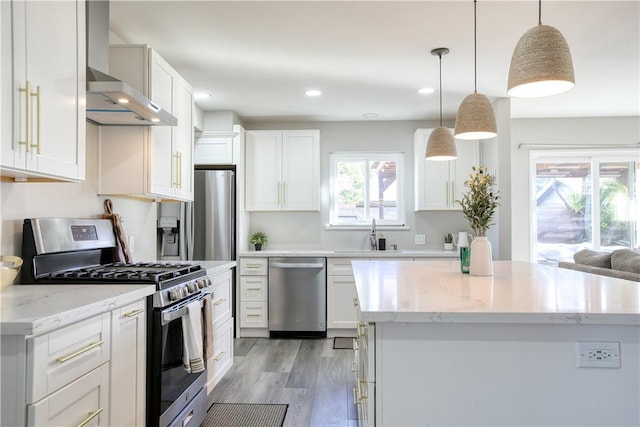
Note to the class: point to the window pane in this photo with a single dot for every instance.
(383, 190)
(350, 190)
(563, 210)
(616, 205)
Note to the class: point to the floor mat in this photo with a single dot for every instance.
(245, 415)
(343, 343)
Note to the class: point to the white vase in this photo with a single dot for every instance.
(481, 263)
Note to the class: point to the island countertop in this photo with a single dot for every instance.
(518, 292)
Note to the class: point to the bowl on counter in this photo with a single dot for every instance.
(10, 268)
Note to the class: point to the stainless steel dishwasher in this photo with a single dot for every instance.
(297, 297)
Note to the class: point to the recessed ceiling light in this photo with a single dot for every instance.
(201, 95)
(425, 90)
(155, 120)
(123, 100)
(370, 115)
(313, 92)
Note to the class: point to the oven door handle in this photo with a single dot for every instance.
(177, 311)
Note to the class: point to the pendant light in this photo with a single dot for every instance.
(475, 119)
(541, 63)
(441, 145)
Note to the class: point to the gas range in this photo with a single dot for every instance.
(68, 251)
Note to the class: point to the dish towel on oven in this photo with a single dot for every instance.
(192, 337)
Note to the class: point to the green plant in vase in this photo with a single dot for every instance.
(258, 239)
(479, 206)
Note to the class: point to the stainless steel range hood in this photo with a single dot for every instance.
(111, 101)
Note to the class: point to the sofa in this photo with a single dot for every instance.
(621, 263)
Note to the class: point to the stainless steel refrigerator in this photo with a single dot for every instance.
(204, 229)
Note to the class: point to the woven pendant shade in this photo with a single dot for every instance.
(475, 119)
(541, 64)
(441, 145)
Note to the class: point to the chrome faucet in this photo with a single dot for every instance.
(373, 237)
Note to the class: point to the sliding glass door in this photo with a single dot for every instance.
(583, 200)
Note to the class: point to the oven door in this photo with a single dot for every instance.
(171, 387)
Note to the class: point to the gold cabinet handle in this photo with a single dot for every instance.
(354, 366)
(362, 383)
(219, 356)
(219, 301)
(284, 194)
(254, 289)
(356, 346)
(91, 416)
(27, 118)
(356, 398)
(134, 313)
(37, 95)
(355, 302)
(79, 352)
(362, 330)
(253, 315)
(179, 169)
(175, 178)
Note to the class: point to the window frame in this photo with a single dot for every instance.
(595, 157)
(368, 156)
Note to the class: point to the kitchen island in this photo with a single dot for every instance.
(437, 347)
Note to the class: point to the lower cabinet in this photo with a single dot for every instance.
(128, 365)
(91, 372)
(222, 358)
(83, 402)
(363, 366)
(254, 295)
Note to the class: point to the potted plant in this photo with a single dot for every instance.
(448, 242)
(258, 239)
(478, 206)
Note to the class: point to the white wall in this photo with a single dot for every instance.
(74, 200)
(289, 230)
(592, 131)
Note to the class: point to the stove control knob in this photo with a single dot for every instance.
(202, 283)
(173, 295)
(185, 291)
(192, 287)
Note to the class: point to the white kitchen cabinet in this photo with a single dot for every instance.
(92, 370)
(364, 368)
(283, 170)
(83, 402)
(219, 148)
(221, 315)
(254, 296)
(438, 184)
(43, 90)
(149, 162)
(341, 294)
(128, 365)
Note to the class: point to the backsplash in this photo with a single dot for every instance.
(46, 200)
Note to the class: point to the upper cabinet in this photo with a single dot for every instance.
(153, 162)
(219, 147)
(43, 90)
(283, 170)
(439, 184)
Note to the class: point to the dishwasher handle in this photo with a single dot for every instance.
(276, 264)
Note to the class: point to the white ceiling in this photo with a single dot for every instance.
(257, 58)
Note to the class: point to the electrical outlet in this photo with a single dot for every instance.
(421, 239)
(598, 354)
(132, 247)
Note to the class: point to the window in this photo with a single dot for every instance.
(365, 186)
(584, 201)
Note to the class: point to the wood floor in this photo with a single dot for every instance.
(308, 374)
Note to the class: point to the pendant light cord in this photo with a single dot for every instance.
(475, 49)
(539, 12)
(440, 56)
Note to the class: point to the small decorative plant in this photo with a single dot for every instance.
(258, 239)
(480, 202)
(448, 238)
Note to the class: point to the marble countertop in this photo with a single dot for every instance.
(38, 309)
(214, 267)
(518, 292)
(352, 253)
